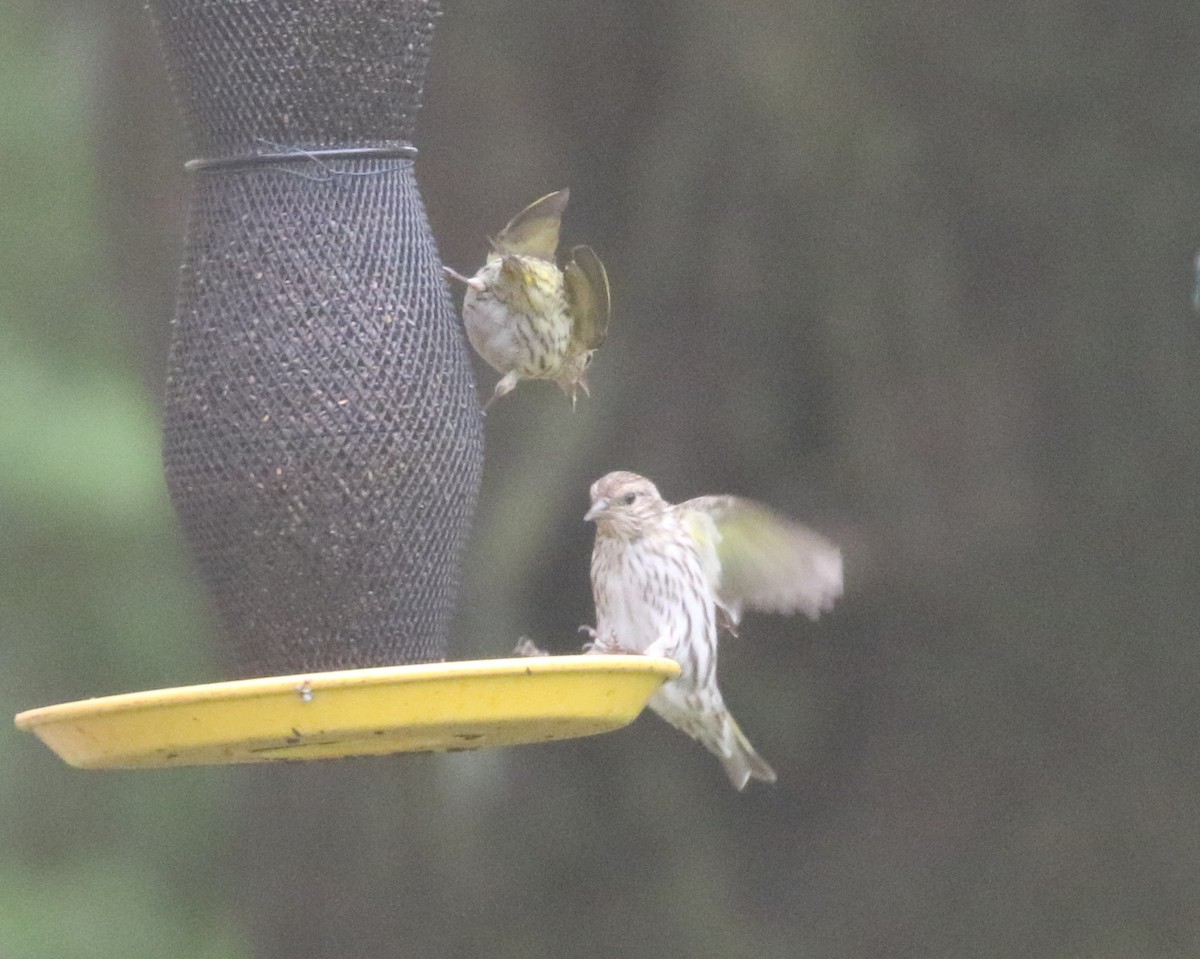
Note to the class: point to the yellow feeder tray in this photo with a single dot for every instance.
(433, 706)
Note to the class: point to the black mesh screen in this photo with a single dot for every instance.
(323, 441)
(298, 72)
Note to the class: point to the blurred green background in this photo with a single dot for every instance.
(917, 272)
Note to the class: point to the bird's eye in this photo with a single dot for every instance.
(628, 498)
(587, 360)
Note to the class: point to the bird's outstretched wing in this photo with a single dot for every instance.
(757, 559)
(534, 231)
(586, 282)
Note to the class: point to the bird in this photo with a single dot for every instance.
(529, 319)
(666, 578)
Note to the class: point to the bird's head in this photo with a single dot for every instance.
(623, 503)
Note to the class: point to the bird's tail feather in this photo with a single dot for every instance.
(738, 757)
(717, 731)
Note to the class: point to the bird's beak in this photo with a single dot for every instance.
(598, 509)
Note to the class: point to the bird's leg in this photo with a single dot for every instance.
(726, 622)
(570, 390)
(605, 646)
(593, 644)
(474, 283)
(507, 384)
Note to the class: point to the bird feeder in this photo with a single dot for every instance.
(323, 442)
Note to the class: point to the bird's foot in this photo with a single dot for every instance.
(507, 384)
(661, 648)
(477, 285)
(605, 646)
(727, 623)
(527, 647)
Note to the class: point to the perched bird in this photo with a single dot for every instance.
(666, 577)
(527, 318)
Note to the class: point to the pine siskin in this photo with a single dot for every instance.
(665, 577)
(527, 318)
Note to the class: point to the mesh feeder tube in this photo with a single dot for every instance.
(322, 440)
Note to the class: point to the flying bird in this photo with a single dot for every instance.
(529, 319)
(666, 578)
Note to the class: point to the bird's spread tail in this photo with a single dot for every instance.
(738, 757)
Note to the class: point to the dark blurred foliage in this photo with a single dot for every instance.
(918, 273)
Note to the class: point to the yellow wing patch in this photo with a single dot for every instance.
(703, 530)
